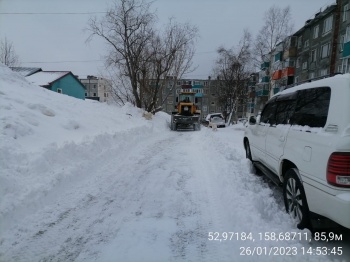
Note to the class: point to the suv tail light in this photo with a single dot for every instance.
(338, 169)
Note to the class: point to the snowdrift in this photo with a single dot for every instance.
(43, 132)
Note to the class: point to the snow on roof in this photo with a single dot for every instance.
(26, 71)
(45, 78)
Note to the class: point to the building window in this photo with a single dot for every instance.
(327, 25)
(306, 43)
(300, 41)
(212, 103)
(298, 63)
(312, 75)
(304, 65)
(347, 34)
(94, 94)
(325, 50)
(316, 29)
(85, 94)
(59, 90)
(345, 12)
(340, 69)
(342, 40)
(313, 55)
(324, 72)
(345, 65)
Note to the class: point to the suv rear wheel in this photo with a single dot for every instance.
(295, 199)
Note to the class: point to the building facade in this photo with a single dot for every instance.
(321, 48)
(97, 88)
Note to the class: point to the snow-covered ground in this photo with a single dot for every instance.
(86, 181)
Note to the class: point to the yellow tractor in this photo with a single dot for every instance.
(187, 115)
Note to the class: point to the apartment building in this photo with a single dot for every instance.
(319, 49)
(97, 88)
(315, 46)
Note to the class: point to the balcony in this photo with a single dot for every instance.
(277, 75)
(265, 79)
(278, 57)
(276, 90)
(264, 65)
(290, 52)
(262, 92)
(288, 71)
(251, 105)
(346, 49)
(197, 86)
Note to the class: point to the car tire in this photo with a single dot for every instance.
(248, 152)
(295, 199)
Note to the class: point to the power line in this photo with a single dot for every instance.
(55, 13)
(58, 62)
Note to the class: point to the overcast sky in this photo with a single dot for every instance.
(57, 41)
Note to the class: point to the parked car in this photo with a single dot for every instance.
(301, 141)
(216, 118)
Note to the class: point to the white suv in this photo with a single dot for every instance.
(301, 141)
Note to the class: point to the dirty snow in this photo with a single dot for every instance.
(86, 181)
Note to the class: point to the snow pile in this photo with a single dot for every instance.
(44, 134)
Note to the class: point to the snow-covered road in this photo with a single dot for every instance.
(146, 197)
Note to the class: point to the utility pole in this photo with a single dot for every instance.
(335, 37)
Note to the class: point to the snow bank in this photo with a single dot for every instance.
(42, 132)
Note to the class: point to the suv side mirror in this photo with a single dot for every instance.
(252, 120)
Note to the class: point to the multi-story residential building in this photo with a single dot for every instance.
(97, 88)
(314, 51)
(251, 108)
(315, 46)
(263, 84)
(283, 73)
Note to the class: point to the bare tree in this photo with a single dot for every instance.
(171, 54)
(277, 26)
(127, 28)
(233, 68)
(140, 53)
(7, 54)
(120, 86)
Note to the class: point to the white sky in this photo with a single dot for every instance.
(51, 39)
